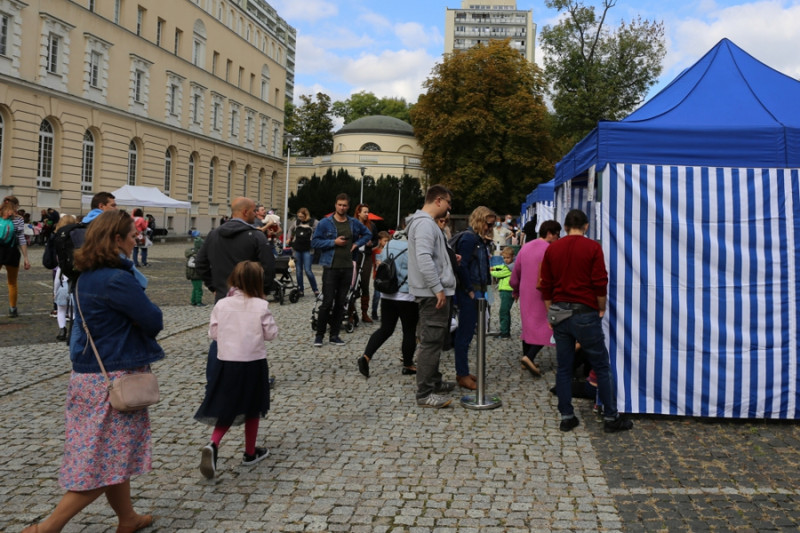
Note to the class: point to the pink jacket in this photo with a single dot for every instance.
(240, 325)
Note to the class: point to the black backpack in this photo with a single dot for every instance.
(65, 241)
(386, 275)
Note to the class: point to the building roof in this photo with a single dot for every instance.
(378, 124)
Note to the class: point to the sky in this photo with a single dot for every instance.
(389, 47)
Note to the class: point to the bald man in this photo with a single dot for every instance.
(234, 241)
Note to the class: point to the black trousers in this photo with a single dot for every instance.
(335, 284)
(391, 311)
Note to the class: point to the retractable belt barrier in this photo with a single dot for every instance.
(481, 400)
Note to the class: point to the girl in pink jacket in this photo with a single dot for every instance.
(240, 323)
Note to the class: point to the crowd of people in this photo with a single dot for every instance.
(435, 281)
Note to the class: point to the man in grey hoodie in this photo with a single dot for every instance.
(432, 280)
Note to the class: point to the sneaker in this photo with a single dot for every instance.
(434, 400)
(318, 340)
(444, 386)
(567, 424)
(621, 423)
(363, 366)
(336, 341)
(260, 455)
(53, 314)
(201, 304)
(208, 461)
(12, 312)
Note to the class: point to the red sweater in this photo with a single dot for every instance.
(573, 271)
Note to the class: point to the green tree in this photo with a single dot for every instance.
(364, 104)
(484, 127)
(596, 72)
(312, 126)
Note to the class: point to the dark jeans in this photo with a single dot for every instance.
(136, 255)
(335, 283)
(432, 328)
(585, 328)
(302, 262)
(391, 311)
(467, 320)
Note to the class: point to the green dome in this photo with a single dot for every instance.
(378, 124)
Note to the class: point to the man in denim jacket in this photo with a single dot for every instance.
(336, 237)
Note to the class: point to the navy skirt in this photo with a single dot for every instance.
(239, 391)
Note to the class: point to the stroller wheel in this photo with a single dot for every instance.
(294, 296)
(349, 327)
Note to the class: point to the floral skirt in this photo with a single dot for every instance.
(103, 446)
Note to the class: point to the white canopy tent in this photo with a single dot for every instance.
(144, 197)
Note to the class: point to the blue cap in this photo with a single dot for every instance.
(194, 233)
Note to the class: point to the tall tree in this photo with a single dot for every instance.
(596, 72)
(363, 104)
(312, 126)
(484, 127)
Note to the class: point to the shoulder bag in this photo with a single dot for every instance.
(130, 392)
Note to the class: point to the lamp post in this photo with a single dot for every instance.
(286, 190)
(362, 169)
(399, 190)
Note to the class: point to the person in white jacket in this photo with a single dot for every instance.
(239, 392)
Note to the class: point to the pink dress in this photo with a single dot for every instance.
(524, 279)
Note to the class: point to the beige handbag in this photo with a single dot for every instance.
(130, 392)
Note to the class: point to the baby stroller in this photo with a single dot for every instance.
(284, 281)
(350, 317)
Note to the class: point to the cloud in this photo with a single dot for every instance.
(415, 35)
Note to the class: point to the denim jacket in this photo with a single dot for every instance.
(121, 318)
(325, 235)
(474, 269)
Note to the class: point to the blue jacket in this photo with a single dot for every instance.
(474, 269)
(395, 248)
(121, 318)
(325, 235)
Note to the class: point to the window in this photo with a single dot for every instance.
(53, 42)
(199, 44)
(190, 179)
(132, 157)
(215, 119)
(159, 31)
(44, 171)
(244, 180)
(197, 53)
(167, 171)
(3, 34)
(211, 168)
(197, 102)
(91, 5)
(94, 69)
(214, 61)
(178, 34)
(265, 83)
(250, 131)
(117, 10)
(228, 67)
(87, 162)
(173, 99)
(138, 85)
(262, 133)
(234, 122)
(230, 179)
(370, 147)
(275, 137)
(139, 20)
(241, 77)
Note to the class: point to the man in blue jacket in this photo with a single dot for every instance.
(336, 237)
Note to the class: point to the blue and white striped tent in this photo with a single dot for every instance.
(539, 203)
(695, 198)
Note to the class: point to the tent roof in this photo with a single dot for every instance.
(544, 192)
(131, 195)
(728, 109)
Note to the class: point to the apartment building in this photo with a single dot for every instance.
(479, 21)
(183, 95)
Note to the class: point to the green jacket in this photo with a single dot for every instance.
(503, 274)
(191, 255)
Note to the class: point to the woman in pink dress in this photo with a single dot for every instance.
(536, 332)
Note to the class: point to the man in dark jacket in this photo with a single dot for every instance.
(234, 241)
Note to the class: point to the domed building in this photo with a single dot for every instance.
(373, 147)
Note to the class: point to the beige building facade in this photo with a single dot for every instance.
(380, 145)
(486, 20)
(183, 95)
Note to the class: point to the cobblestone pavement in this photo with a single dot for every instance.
(349, 454)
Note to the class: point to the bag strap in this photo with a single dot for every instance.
(89, 335)
(393, 257)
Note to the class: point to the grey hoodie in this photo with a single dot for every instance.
(429, 267)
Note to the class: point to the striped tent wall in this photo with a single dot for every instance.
(703, 289)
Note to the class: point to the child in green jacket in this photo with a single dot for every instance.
(191, 271)
(503, 274)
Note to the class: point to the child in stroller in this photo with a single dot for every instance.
(284, 281)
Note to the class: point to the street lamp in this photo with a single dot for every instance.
(286, 190)
(362, 169)
(399, 190)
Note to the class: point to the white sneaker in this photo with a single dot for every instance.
(208, 461)
(434, 400)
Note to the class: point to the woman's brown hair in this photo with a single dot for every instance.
(304, 211)
(65, 220)
(248, 277)
(100, 247)
(479, 219)
(9, 206)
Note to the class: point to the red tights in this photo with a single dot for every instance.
(250, 434)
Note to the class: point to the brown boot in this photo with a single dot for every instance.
(365, 318)
(466, 382)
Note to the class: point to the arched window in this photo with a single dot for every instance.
(190, 179)
(244, 180)
(370, 147)
(265, 83)
(211, 168)
(261, 175)
(167, 171)
(44, 172)
(87, 162)
(231, 167)
(133, 155)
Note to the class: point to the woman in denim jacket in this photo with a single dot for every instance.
(104, 447)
